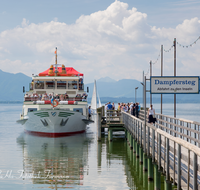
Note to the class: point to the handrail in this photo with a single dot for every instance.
(179, 161)
(181, 127)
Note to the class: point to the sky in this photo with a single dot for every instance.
(100, 38)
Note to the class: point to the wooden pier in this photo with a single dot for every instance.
(171, 146)
(111, 120)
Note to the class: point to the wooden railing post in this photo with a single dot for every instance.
(195, 166)
(179, 167)
(167, 160)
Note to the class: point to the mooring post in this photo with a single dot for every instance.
(137, 150)
(141, 155)
(145, 180)
(167, 185)
(131, 141)
(128, 138)
(162, 179)
(126, 132)
(141, 174)
(145, 164)
(110, 134)
(150, 185)
(99, 126)
(150, 169)
(157, 174)
(99, 151)
(134, 146)
(103, 110)
(131, 155)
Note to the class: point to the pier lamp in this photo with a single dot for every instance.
(135, 93)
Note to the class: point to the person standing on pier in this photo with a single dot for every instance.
(136, 110)
(151, 113)
(133, 110)
(118, 109)
(89, 112)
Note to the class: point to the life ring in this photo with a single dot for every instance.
(53, 103)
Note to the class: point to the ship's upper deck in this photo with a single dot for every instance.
(57, 80)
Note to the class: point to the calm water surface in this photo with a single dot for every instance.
(76, 162)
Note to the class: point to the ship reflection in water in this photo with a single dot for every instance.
(54, 162)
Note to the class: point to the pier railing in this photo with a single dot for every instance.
(169, 143)
(178, 127)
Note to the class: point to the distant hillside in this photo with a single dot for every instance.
(12, 86)
(121, 88)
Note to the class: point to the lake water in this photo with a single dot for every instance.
(76, 162)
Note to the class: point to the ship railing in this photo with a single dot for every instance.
(28, 99)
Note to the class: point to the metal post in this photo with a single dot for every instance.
(136, 93)
(150, 77)
(138, 134)
(144, 131)
(141, 135)
(161, 76)
(174, 75)
(143, 87)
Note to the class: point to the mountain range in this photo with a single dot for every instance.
(108, 89)
(11, 86)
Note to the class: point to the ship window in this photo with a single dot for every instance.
(61, 84)
(32, 109)
(50, 84)
(72, 84)
(78, 110)
(39, 85)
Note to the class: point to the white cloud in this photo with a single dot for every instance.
(25, 23)
(116, 42)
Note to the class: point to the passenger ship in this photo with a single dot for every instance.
(56, 104)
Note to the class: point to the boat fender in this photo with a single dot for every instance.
(52, 103)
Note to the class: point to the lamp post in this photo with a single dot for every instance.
(135, 93)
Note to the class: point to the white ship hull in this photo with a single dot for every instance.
(54, 123)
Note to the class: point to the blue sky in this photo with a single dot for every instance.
(99, 37)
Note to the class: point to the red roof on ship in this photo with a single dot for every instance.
(70, 71)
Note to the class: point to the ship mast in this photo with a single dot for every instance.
(56, 71)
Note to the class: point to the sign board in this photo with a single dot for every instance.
(174, 85)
